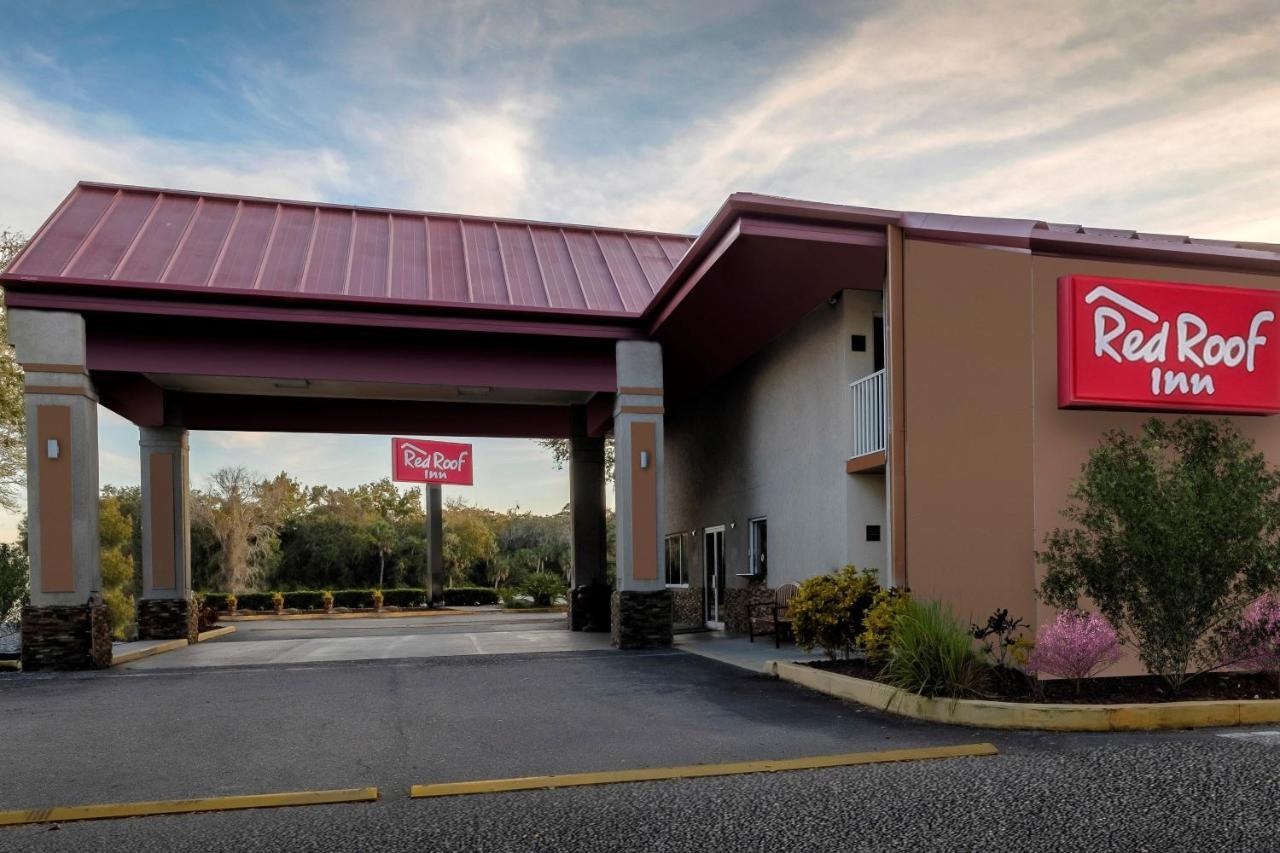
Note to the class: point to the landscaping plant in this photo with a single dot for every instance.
(544, 588)
(1174, 530)
(932, 654)
(14, 583)
(1074, 645)
(828, 611)
(1256, 640)
(998, 637)
(882, 617)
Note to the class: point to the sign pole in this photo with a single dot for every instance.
(435, 543)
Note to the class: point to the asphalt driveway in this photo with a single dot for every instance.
(129, 735)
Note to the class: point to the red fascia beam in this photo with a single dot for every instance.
(599, 415)
(283, 351)
(131, 396)
(94, 296)
(253, 413)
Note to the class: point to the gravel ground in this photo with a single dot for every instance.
(1166, 795)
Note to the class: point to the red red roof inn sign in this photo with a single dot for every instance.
(442, 463)
(1130, 344)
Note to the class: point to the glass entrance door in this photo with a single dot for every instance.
(713, 576)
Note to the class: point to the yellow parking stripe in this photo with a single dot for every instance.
(59, 814)
(610, 777)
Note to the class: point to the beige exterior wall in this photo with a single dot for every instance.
(968, 392)
(990, 457)
(771, 439)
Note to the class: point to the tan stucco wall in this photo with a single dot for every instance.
(990, 457)
(967, 386)
(1064, 437)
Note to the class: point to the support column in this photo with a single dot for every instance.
(435, 543)
(167, 609)
(589, 605)
(641, 606)
(66, 625)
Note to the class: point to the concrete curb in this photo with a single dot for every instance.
(139, 654)
(215, 633)
(62, 814)
(1027, 715)
(380, 614)
(695, 771)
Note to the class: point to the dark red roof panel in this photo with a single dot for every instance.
(132, 236)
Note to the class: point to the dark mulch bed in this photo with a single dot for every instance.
(1014, 687)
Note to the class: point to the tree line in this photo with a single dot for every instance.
(252, 533)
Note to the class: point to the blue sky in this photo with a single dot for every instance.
(1160, 116)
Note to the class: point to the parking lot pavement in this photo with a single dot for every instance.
(281, 641)
(127, 735)
(124, 736)
(1162, 794)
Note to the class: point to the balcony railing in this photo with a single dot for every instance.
(868, 414)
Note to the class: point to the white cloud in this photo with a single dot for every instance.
(472, 161)
(46, 149)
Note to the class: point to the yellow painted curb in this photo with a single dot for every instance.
(1058, 717)
(139, 654)
(14, 665)
(321, 615)
(215, 633)
(60, 814)
(693, 771)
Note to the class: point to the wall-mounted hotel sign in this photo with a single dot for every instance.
(1131, 344)
(443, 463)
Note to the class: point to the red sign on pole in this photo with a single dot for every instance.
(415, 460)
(1131, 344)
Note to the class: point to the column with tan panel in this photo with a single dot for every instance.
(166, 609)
(66, 625)
(641, 605)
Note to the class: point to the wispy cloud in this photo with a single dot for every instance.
(1154, 115)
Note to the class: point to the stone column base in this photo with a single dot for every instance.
(76, 636)
(641, 620)
(589, 608)
(168, 619)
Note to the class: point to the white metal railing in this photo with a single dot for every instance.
(868, 414)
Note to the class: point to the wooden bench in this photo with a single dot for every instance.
(774, 617)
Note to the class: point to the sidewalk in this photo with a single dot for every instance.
(737, 650)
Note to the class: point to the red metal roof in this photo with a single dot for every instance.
(199, 242)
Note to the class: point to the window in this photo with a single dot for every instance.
(677, 573)
(759, 546)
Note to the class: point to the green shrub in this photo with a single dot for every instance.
(465, 596)
(304, 599)
(14, 582)
(255, 601)
(353, 598)
(216, 600)
(411, 597)
(1174, 531)
(932, 654)
(544, 588)
(881, 620)
(827, 611)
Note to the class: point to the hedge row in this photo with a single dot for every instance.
(352, 598)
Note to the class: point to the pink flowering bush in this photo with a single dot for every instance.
(1076, 646)
(1257, 637)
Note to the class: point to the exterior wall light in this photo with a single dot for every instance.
(52, 449)
(644, 459)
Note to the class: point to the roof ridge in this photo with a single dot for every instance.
(361, 208)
